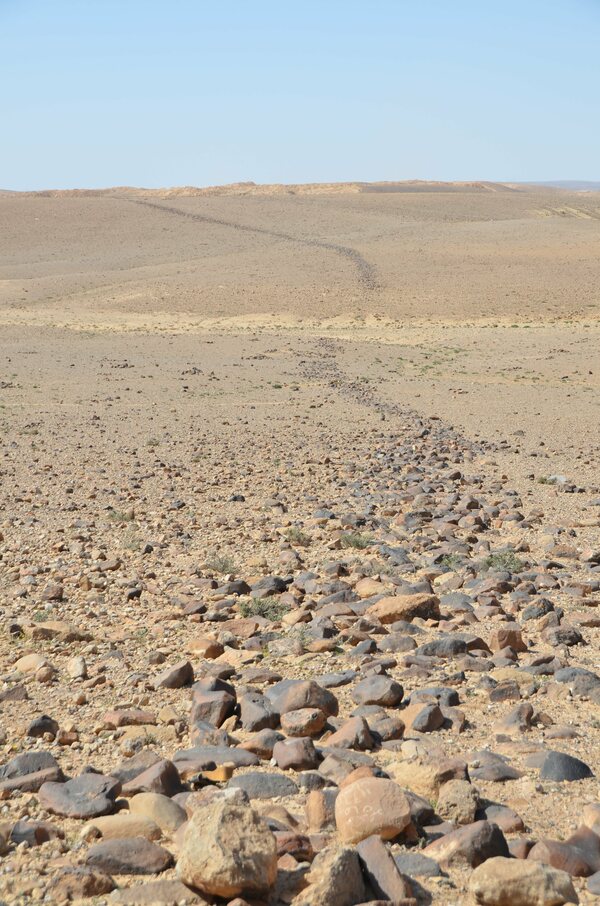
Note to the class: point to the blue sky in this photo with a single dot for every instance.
(113, 92)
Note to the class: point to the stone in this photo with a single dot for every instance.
(136, 765)
(129, 717)
(129, 856)
(166, 813)
(42, 725)
(426, 777)
(371, 806)
(593, 884)
(227, 850)
(263, 785)
(380, 870)
(334, 879)
(562, 856)
(78, 883)
(378, 690)
(457, 802)
(303, 722)
(291, 695)
(416, 865)
(559, 767)
(86, 796)
(255, 712)
(354, 733)
(34, 833)
(175, 677)
(115, 827)
(423, 718)
(157, 893)
(28, 763)
(514, 882)
(296, 754)
(207, 757)
(215, 706)
(320, 809)
(470, 845)
(405, 607)
(508, 635)
(31, 663)
(161, 777)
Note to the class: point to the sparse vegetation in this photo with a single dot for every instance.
(222, 563)
(451, 561)
(270, 608)
(295, 535)
(356, 540)
(504, 560)
(121, 515)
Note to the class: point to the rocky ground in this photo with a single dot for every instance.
(273, 635)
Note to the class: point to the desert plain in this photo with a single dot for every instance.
(300, 497)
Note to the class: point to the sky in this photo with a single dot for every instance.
(153, 93)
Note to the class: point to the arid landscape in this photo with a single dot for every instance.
(300, 545)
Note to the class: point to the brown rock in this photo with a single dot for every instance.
(471, 845)
(405, 607)
(371, 806)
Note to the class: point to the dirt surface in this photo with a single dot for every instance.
(187, 381)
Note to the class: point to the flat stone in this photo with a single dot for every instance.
(78, 883)
(133, 767)
(263, 785)
(86, 796)
(416, 865)
(166, 813)
(116, 827)
(514, 882)
(405, 607)
(562, 856)
(206, 757)
(129, 856)
(157, 893)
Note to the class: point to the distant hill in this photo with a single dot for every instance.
(575, 185)
(251, 188)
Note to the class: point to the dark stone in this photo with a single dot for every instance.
(27, 763)
(161, 777)
(181, 674)
(380, 870)
(378, 690)
(86, 796)
(417, 865)
(259, 785)
(136, 765)
(129, 856)
(558, 767)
